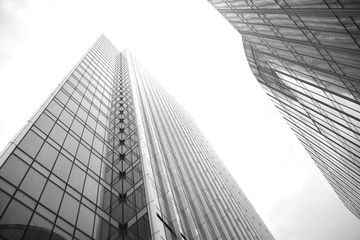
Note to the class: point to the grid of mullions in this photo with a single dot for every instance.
(190, 178)
(316, 117)
(129, 209)
(312, 47)
(57, 179)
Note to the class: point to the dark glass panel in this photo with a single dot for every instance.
(44, 123)
(33, 183)
(58, 134)
(16, 213)
(69, 208)
(13, 169)
(31, 143)
(129, 208)
(140, 197)
(4, 199)
(77, 177)
(86, 220)
(64, 225)
(40, 229)
(81, 235)
(117, 211)
(137, 173)
(47, 156)
(62, 167)
(59, 234)
(143, 227)
(52, 196)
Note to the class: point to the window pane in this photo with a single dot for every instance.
(87, 136)
(16, 213)
(62, 97)
(54, 108)
(83, 154)
(86, 220)
(77, 127)
(47, 156)
(98, 145)
(66, 118)
(69, 208)
(62, 168)
(51, 196)
(14, 169)
(33, 183)
(58, 134)
(90, 189)
(4, 199)
(38, 233)
(31, 143)
(44, 123)
(77, 178)
(95, 164)
(71, 144)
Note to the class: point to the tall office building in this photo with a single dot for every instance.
(306, 56)
(110, 155)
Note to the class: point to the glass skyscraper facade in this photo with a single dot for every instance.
(110, 155)
(306, 56)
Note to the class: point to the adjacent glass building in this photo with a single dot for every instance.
(110, 155)
(306, 56)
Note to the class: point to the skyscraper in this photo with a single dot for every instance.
(110, 155)
(306, 56)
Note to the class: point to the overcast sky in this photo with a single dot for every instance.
(198, 57)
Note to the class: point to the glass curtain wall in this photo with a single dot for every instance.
(306, 56)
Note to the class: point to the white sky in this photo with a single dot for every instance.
(198, 57)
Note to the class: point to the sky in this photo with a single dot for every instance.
(198, 57)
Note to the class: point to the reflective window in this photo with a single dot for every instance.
(54, 108)
(4, 199)
(14, 169)
(83, 154)
(86, 220)
(58, 134)
(71, 144)
(16, 213)
(33, 183)
(66, 118)
(36, 233)
(31, 143)
(90, 189)
(95, 163)
(47, 156)
(52, 196)
(62, 167)
(44, 123)
(69, 208)
(77, 127)
(77, 177)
